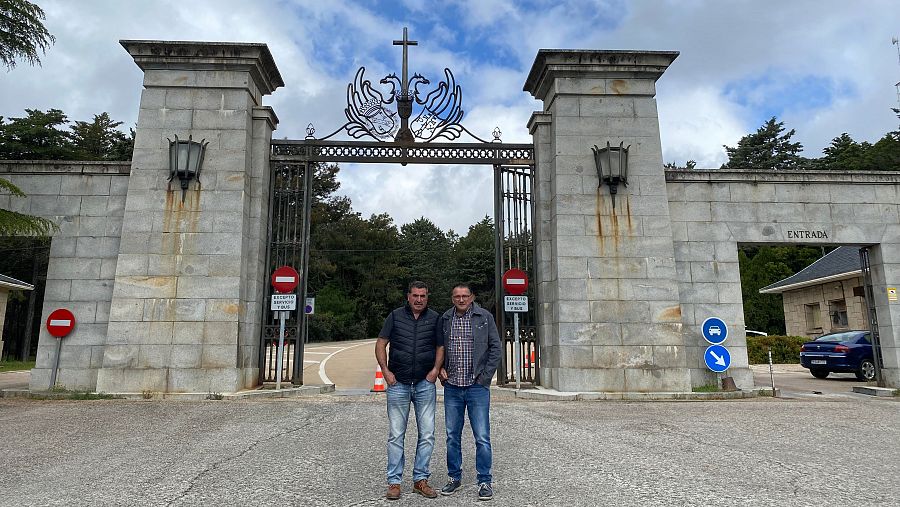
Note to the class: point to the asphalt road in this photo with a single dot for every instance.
(329, 450)
(795, 380)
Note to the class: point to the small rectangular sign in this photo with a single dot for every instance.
(892, 293)
(518, 304)
(310, 306)
(284, 302)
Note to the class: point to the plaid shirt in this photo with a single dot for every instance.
(461, 350)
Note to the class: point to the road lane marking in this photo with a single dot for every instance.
(322, 375)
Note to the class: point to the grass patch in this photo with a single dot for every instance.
(896, 392)
(709, 388)
(16, 365)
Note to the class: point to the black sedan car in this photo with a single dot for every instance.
(848, 352)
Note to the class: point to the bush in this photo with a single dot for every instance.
(785, 349)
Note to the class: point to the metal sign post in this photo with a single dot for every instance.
(284, 279)
(516, 305)
(60, 323)
(282, 316)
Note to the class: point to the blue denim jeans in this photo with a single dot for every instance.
(422, 395)
(477, 400)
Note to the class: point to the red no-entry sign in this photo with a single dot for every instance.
(285, 279)
(515, 281)
(60, 322)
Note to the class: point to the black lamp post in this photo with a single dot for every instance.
(612, 167)
(185, 161)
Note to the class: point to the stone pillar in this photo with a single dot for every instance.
(609, 303)
(186, 300)
(885, 261)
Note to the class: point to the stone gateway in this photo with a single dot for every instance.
(170, 294)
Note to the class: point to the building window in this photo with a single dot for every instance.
(837, 309)
(812, 317)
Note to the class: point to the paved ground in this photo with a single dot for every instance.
(15, 379)
(796, 381)
(329, 450)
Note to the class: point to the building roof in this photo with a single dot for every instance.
(9, 282)
(838, 264)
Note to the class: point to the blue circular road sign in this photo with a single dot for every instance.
(717, 358)
(714, 330)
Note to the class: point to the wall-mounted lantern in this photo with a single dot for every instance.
(185, 161)
(612, 167)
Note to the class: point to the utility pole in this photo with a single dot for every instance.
(896, 42)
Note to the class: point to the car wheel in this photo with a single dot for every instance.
(819, 373)
(866, 370)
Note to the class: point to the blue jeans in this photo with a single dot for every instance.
(422, 395)
(477, 399)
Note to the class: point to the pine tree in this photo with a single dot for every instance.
(766, 149)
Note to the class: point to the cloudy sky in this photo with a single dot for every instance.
(822, 66)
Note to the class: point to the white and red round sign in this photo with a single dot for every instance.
(60, 322)
(515, 281)
(285, 279)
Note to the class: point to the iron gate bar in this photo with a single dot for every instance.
(514, 244)
(401, 153)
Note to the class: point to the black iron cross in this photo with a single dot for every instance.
(404, 85)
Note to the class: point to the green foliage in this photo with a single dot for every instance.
(101, 139)
(42, 135)
(13, 223)
(785, 349)
(475, 260)
(37, 136)
(765, 265)
(16, 365)
(709, 388)
(768, 148)
(22, 33)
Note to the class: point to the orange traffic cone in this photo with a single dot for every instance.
(379, 381)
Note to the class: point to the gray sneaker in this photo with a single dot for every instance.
(451, 487)
(485, 491)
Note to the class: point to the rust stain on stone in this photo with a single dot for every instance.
(628, 214)
(599, 213)
(232, 309)
(618, 86)
(670, 314)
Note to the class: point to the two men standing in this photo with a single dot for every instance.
(469, 335)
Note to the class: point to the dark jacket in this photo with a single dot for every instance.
(487, 342)
(413, 343)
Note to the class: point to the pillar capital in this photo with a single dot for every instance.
(551, 65)
(253, 58)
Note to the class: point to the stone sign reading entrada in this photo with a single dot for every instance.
(169, 294)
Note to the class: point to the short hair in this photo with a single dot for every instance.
(463, 286)
(417, 285)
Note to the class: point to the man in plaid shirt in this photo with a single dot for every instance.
(472, 354)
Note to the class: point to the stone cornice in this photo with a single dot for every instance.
(552, 64)
(65, 167)
(253, 58)
(757, 176)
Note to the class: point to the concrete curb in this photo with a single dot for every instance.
(542, 394)
(874, 391)
(292, 392)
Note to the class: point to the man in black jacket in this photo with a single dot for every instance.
(416, 356)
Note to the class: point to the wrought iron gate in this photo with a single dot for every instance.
(406, 121)
(289, 229)
(866, 269)
(514, 246)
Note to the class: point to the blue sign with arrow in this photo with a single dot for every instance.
(717, 358)
(714, 330)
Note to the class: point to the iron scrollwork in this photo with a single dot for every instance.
(438, 112)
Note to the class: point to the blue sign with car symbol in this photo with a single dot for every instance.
(714, 330)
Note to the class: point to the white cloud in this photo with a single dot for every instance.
(764, 48)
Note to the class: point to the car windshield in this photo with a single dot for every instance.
(839, 337)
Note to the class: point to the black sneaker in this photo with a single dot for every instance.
(485, 491)
(451, 487)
